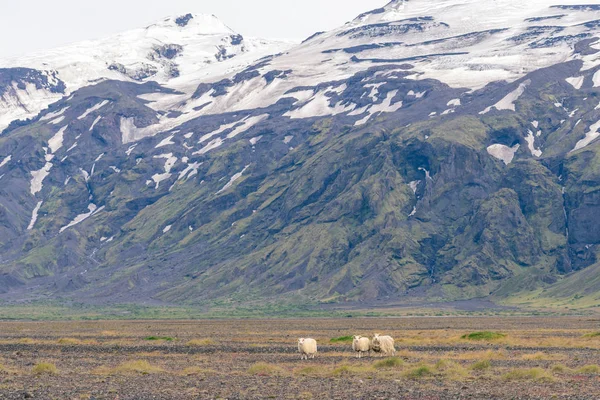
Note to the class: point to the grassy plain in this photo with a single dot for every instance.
(437, 358)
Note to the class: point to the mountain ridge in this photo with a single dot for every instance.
(412, 159)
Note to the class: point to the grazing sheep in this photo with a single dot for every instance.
(361, 345)
(307, 348)
(383, 345)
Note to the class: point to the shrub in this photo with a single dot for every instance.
(69, 341)
(392, 362)
(342, 339)
(560, 369)
(422, 371)
(264, 369)
(534, 374)
(45, 368)
(592, 335)
(136, 367)
(481, 365)
(165, 338)
(483, 336)
(589, 370)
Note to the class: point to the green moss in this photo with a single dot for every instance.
(342, 339)
(486, 335)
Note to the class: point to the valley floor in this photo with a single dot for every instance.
(517, 357)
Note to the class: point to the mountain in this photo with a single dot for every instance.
(422, 151)
(176, 51)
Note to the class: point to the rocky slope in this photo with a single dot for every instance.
(419, 151)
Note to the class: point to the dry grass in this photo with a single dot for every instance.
(310, 371)
(346, 369)
(589, 370)
(190, 371)
(76, 342)
(264, 369)
(133, 367)
(393, 362)
(478, 355)
(532, 374)
(423, 371)
(481, 365)
(201, 342)
(45, 368)
(539, 356)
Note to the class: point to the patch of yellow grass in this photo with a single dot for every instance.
(346, 369)
(541, 356)
(479, 355)
(481, 365)
(451, 369)
(265, 369)
(419, 372)
(45, 368)
(532, 374)
(589, 370)
(561, 369)
(142, 367)
(310, 371)
(201, 342)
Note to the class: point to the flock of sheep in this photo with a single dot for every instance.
(361, 345)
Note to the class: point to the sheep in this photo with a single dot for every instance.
(361, 345)
(383, 345)
(307, 348)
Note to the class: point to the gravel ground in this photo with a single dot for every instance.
(92, 358)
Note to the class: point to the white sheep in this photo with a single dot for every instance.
(307, 348)
(361, 345)
(383, 345)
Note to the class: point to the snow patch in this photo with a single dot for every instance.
(34, 215)
(255, 140)
(502, 152)
(98, 118)
(589, 137)
(165, 142)
(5, 161)
(531, 143)
(233, 179)
(92, 210)
(56, 141)
(576, 82)
(596, 79)
(167, 228)
(454, 103)
(169, 163)
(189, 171)
(37, 178)
(385, 107)
(508, 102)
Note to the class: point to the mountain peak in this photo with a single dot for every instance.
(390, 12)
(201, 24)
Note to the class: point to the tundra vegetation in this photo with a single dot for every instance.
(441, 358)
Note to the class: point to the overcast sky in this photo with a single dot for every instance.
(31, 25)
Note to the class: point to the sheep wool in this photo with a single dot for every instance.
(361, 345)
(383, 345)
(307, 348)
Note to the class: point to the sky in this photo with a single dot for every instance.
(27, 26)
